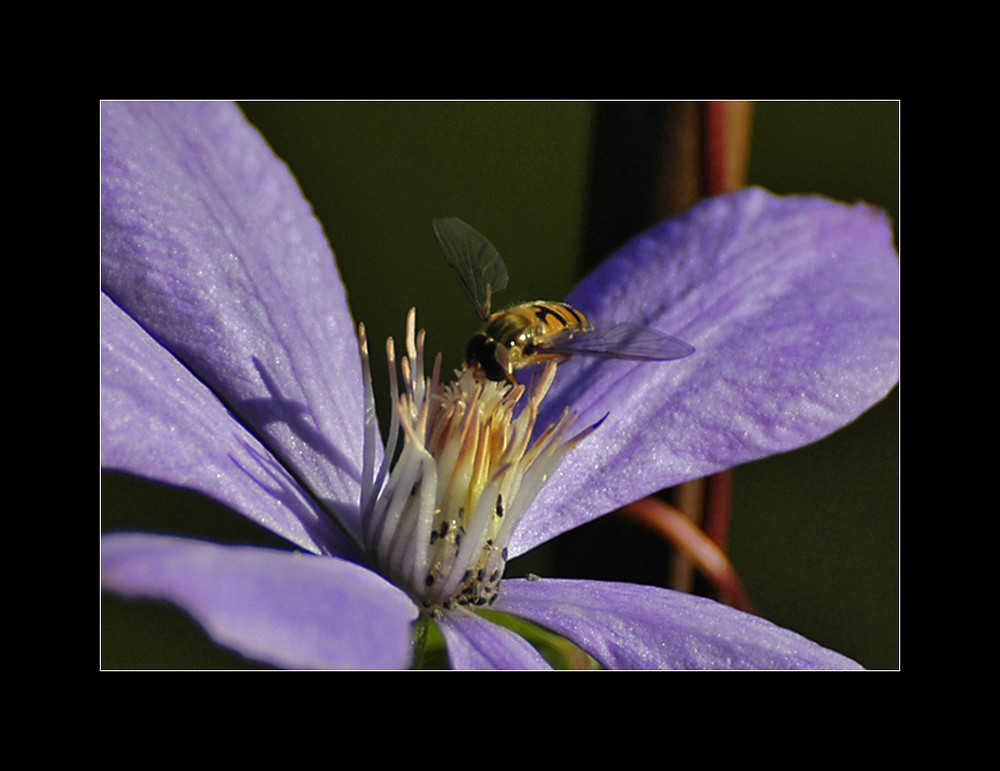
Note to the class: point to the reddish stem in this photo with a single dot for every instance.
(687, 538)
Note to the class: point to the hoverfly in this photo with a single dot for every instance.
(533, 332)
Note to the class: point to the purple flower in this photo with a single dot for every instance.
(230, 366)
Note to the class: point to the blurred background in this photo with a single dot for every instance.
(814, 533)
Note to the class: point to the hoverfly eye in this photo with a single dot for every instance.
(475, 349)
(489, 356)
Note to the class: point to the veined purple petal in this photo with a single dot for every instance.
(627, 626)
(288, 609)
(793, 307)
(160, 422)
(475, 643)
(208, 244)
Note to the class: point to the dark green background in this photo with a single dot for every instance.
(815, 533)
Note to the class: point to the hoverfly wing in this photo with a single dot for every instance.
(621, 341)
(474, 259)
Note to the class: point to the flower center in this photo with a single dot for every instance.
(437, 519)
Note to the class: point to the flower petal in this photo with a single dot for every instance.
(793, 307)
(475, 643)
(160, 422)
(288, 609)
(208, 243)
(627, 626)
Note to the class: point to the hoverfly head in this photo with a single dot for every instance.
(490, 358)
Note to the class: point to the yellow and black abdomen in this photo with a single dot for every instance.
(517, 337)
